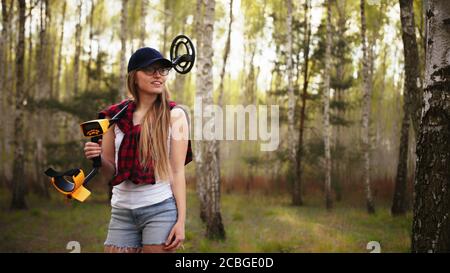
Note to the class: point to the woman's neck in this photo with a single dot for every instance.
(145, 102)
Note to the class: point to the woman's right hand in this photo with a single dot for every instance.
(92, 149)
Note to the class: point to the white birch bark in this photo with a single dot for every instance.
(367, 93)
(431, 222)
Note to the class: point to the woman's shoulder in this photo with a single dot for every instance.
(178, 117)
(178, 112)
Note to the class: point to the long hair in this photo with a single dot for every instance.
(153, 146)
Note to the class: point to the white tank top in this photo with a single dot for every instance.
(128, 195)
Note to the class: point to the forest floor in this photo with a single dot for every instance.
(253, 223)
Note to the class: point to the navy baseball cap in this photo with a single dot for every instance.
(146, 56)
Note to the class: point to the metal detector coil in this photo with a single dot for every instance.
(182, 54)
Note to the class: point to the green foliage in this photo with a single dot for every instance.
(254, 13)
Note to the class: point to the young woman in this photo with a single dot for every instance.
(144, 157)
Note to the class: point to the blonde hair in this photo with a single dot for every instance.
(154, 131)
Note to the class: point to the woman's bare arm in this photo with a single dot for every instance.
(178, 149)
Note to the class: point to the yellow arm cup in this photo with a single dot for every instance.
(64, 186)
(80, 194)
(73, 189)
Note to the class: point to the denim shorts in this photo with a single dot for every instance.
(148, 225)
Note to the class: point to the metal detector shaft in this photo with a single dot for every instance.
(91, 175)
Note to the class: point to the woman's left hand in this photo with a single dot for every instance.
(176, 237)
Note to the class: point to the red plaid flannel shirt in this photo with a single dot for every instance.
(128, 165)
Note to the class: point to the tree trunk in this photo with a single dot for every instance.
(326, 114)
(399, 203)
(5, 103)
(91, 38)
(366, 113)
(166, 25)
(61, 39)
(76, 60)
(222, 76)
(291, 96)
(214, 225)
(143, 33)
(411, 108)
(6, 21)
(250, 83)
(30, 53)
(50, 50)
(412, 69)
(291, 106)
(18, 194)
(123, 50)
(9, 82)
(198, 144)
(340, 73)
(297, 195)
(431, 222)
(43, 66)
(225, 55)
(42, 62)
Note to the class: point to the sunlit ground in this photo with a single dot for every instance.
(253, 224)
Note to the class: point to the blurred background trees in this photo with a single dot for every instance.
(63, 61)
(73, 67)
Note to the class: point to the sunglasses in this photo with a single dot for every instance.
(150, 70)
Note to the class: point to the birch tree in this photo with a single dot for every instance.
(76, 62)
(367, 93)
(44, 68)
(297, 194)
(431, 222)
(214, 225)
(291, 102)
(18, 196)
(91, 38)
(60, 45)
(6, 101)
(412, 91)
(142, 33)
(222, 73)
(198, 144)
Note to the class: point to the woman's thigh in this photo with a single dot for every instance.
(156, 222)
(123, 233)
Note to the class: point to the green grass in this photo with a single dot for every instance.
(254, 223)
